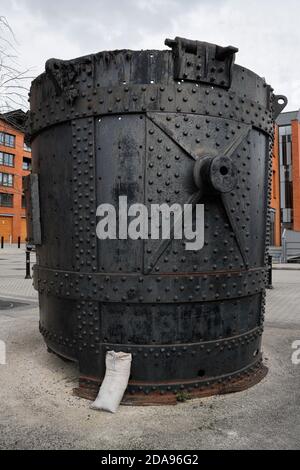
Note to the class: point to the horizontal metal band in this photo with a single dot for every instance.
(175, 98)
(158, 350)
(207, 358)
(134, 288)
(187, 349)
(153, 394)
(194, 384)
(198, 363)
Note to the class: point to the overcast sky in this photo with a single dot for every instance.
(265, 31)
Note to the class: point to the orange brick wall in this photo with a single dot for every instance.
(18, 173)
(296, 173)
(275, 198)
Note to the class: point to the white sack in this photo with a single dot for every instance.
(115, 381)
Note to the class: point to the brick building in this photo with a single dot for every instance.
(285, 212)
(15, 162)
(275, 239)
(288, 149)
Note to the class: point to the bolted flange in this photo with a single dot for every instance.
(215, 173)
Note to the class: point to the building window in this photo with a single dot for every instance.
(286, 175)
(26, 163)
(26, 147)
(274, 184)
(7, 159)
(6, 200)
(6, 179)
(8, 140)
(23, 202)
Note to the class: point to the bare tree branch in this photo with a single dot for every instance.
(13, 94)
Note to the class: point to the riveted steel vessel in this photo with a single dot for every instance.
(182, 125)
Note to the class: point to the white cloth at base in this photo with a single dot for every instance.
(116, 378)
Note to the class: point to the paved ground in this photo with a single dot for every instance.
(12, 273)
(38, 410)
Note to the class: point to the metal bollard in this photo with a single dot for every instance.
(28, 276)
(269, 285)
(19, 242)
(2, 242)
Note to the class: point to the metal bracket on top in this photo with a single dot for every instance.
(202, 62)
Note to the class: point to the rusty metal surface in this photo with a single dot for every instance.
(170, 126)
(89, 387)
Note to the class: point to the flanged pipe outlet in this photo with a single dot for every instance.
(215, 173)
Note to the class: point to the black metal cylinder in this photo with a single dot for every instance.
(269, 283)
(170, 126)
(27, 264)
